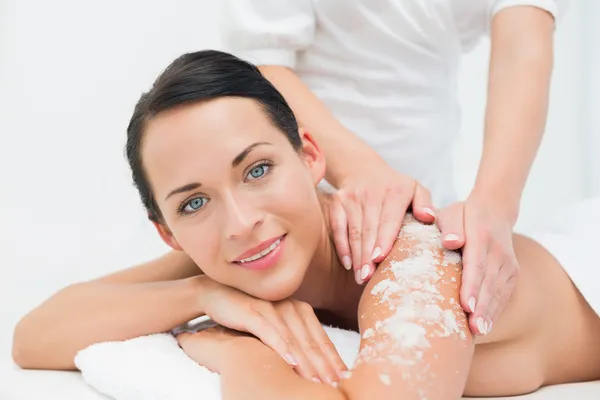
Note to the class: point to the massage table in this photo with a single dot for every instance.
(17, 384)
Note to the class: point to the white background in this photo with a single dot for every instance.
(70, 73)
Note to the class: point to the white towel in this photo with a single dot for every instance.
(154, 367)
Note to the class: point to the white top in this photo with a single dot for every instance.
(386, 68)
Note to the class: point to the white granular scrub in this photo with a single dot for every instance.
(385, 379)
(413, 297)
(368, 333)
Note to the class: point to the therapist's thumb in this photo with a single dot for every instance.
(422, 206)
(450, 220)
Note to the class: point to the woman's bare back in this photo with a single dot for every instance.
(546, 335)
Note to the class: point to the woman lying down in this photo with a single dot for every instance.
(230, 182)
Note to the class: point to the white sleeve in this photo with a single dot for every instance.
(267, 32)
(557, 8)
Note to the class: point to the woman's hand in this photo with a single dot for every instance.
(490, 267)
(366, 214)
(289, 327)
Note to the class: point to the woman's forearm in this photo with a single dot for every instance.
(314, 116)
(253, 371)
(86, 313)
(519, 80)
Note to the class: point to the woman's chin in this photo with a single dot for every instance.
(276, 288)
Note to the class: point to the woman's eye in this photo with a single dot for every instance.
(258, 172)
(195, 204)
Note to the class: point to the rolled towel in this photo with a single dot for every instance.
(155, 367)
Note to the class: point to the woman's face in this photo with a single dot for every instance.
(235, 195)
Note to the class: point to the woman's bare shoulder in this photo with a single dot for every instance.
(415, 338)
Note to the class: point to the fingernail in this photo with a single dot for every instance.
(345, 374)
(365, 271)
(290, 359)
(429, 211)
(481, 326)
(316, 380)
(376, 253)
(451, 237)
(331, 382)
(347, 262)
(357, 276)
(472, 304)
(489, 328)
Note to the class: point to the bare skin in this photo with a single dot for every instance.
(538, 328)
(547, 334)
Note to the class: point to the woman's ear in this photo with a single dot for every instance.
(166, 235)
(313, 157)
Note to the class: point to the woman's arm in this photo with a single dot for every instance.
(521, 65)
(149, 298)
(415, 337)
(257, 373)
(415, 340)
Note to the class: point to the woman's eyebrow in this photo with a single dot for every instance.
(236, 161)
(184, 188)
(240, 157)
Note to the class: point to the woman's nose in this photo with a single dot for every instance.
(242, 218)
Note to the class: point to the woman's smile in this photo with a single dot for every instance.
(263, 256)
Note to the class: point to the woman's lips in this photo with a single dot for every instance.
(267, 260)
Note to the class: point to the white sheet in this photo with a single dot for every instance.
(154, 367)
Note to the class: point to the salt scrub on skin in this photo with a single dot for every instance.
(385, 379)
(419, 311)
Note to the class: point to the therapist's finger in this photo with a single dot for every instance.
(474, 270)
(505, 284)
(490, 286)
(451, 223)
(422, 206)
(353, 210)
(392, 216)
(372, 205)
(339, 228)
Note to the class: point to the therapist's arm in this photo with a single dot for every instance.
(153, 297)
(519, 80)
(314, 116)
(369, 185)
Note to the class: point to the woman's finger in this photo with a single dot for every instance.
(319, 335)
(422, 206)
(262, 327)
(339, 228)
(392, 216)
(274, 314)
(372, 205)
(295, 322)
(353, 211)
(451, 223)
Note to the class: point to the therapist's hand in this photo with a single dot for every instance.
(367, 211)
(490, 268)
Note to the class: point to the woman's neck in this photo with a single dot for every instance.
(327, 285)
